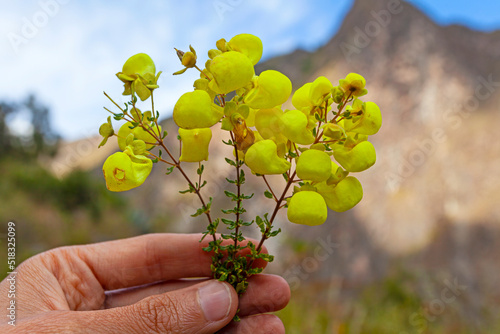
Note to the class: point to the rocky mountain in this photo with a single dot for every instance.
(432, 197)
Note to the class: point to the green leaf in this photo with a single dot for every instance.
(268, 194)
(170, 170)
(199, 171)
(230, 162)
(260, 223)
(231, 195)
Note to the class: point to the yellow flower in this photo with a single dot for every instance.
(342, 196)
(320, 88)
(195, 110)
(368, 123)
(353, 85)
(262, 158)
(139, 76)
(139, 133)
(231, 70)
(271, 88)
(249, 45)
(124, 170)
(314, 165)
(195, 144)
(301, 98)
(356, 159)
(295, 128)
(268, 122)
(307, 208)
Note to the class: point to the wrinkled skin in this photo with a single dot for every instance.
(75, 290)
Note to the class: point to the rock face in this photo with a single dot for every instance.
(438, 89)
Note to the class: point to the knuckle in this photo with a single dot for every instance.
(159, 314)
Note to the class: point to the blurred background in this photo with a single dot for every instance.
(419, 254)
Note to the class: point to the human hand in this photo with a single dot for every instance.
(138, 285)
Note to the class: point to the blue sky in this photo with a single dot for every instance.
(67, 51)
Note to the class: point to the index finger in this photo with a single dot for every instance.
(149, 258)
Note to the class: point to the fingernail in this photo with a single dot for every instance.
(215, 300)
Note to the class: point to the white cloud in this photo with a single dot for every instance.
(73, 57)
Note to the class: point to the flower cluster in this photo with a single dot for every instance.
(315, 145)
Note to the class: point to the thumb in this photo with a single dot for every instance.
(201, 308)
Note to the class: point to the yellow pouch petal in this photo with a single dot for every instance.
(359, 158)
(249, 45)
(262, 158)
(195, 110)
(319, 89)
(314, 165)
(124, 171)
(268, 122)
(301, 97)
(307, 208)
(342, 196)
(139, 133)
(272, 88)
(231, 70)
(195, 144)
(295, 124)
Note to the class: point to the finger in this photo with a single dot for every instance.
(129, 296)
(202, 308)
(256, 324)
(150, 258)
(265, 293)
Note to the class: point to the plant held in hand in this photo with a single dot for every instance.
(314, 147)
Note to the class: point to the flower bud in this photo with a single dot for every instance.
(212, 53)
(221, 45)
(188, 59)
(106, 130)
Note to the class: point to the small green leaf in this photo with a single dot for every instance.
(170, 170)
(268, 194)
